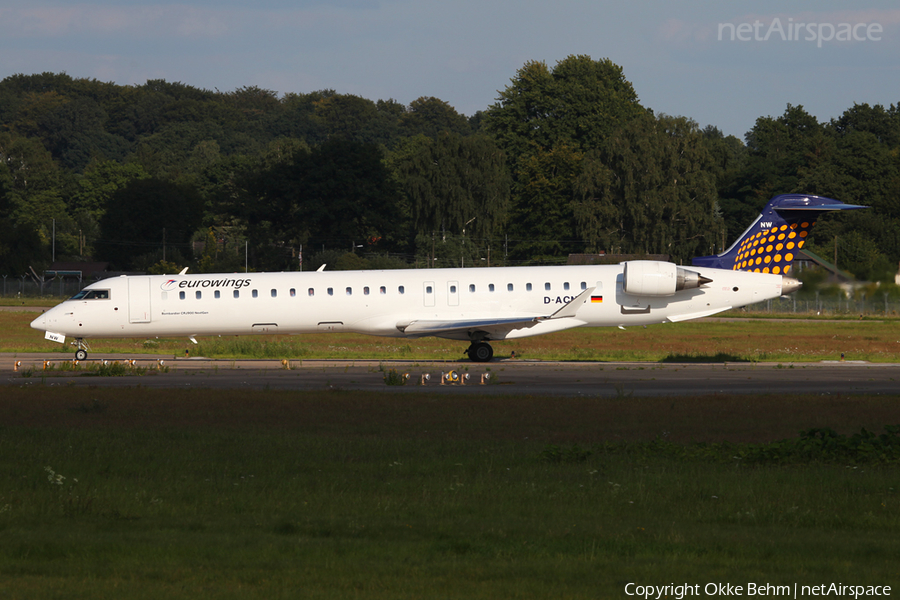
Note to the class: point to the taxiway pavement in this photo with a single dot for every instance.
(514, 377)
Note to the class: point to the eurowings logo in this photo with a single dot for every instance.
(203, 283)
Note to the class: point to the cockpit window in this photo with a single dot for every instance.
(91, 295)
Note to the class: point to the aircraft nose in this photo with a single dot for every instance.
(790, 284)
(40, 322)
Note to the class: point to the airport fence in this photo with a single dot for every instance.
(60, 288)
(830, 305)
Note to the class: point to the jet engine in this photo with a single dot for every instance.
(655, 278)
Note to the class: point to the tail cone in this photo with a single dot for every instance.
(789, 285)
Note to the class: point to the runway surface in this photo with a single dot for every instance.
(513, 377)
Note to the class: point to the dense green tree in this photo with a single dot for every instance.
(543, 223)
(337, 194)
(32, 193)
(99, 183)
(549, 119)
(432, 116)
(883, 123)
(358, 119)
(652, 192)
(582, 164)
(777, 150)
(450, 180)
(578, 103)
(75, 134)
(144, 216)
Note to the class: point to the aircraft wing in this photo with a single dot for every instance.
(493, 325)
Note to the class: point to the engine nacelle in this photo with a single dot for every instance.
(655, 278)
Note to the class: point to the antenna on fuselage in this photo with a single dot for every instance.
(320, 269)
(183, 271)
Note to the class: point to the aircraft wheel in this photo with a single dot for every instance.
(480, 352)
(81, 354)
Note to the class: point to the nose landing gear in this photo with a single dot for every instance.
(82, 352)
(480, 352)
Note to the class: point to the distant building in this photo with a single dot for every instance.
(806, 259)
(82, 271)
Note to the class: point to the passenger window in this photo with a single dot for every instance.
(383, 290)
(509, 287)
(181, 295)
(312, 292)
(293, 292)
(237, 294)
(427, 289)
(584, 285)
(255, 294)
(566, 286)
(274, 293)
(366, 291)
(527, 287)
(490, 287)
(547, 286)
(471, 287)
(217, 294)
(400, 289)
(198, 294)
(349, 291)
(452, 289)
(331, 291)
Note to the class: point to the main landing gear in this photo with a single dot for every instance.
(480, 352)
(82, 352)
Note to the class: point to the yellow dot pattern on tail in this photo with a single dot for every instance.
(772, 250)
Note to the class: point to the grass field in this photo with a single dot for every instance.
(743, 339)
(136, 493)
(228, 494)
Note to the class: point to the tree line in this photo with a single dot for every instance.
(163, 175)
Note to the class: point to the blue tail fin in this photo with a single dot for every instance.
(770, 244)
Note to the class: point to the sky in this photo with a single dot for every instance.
(717, 62)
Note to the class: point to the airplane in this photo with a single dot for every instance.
(478, 305)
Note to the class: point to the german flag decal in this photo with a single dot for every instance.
(596, 299)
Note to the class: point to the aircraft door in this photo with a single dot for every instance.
(138, 299)
(428, 293)
(452, 293)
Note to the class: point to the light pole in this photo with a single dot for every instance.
(462, 258)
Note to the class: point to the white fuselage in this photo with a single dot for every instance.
(391, 303)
